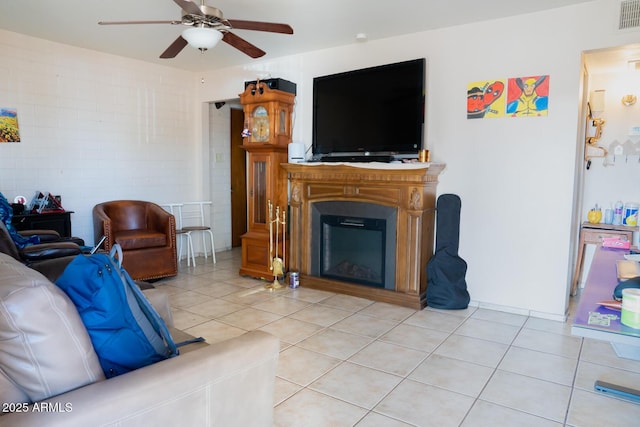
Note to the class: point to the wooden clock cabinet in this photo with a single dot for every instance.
(267, 133)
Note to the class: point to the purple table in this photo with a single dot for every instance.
(595, 321)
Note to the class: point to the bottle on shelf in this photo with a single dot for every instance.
(617, 213)
(630, 216)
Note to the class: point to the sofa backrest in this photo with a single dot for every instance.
(46, 349)
(127, 214)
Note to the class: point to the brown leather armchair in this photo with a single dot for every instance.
(146, 233)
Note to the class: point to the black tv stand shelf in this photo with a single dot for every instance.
(58, 221)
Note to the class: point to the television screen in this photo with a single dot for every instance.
(378, 110)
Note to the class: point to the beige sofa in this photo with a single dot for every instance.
(224, 384)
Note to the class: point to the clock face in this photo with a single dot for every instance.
(260, 124)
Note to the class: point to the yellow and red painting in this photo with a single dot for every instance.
(9, 131)
(485, 99)
(528, 96)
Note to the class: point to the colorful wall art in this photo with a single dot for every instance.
(485, 99)
(526, 96)
(9, 131)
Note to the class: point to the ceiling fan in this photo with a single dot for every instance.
(207, 27)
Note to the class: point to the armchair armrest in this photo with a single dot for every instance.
(49, 250)
(45, 236)
(102, 226)
(52, 268)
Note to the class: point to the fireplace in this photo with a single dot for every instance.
(364, 196)
(354, 242)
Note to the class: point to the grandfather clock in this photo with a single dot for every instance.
(267, 133)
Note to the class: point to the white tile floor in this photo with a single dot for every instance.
(349, 361)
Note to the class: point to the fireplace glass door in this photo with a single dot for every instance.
(353, 249)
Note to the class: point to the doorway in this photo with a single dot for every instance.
(238, 179)
(613, 168)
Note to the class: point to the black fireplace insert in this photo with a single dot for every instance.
(354, 242)
(353, 249)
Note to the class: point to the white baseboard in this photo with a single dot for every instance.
(520, 311)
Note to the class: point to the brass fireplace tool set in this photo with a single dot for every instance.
(276, 264)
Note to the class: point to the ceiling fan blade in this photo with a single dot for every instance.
(189, 7)
(137, 22)
(243, 45)
(271, 27)
(174, 48)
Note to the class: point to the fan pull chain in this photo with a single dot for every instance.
(202, 62)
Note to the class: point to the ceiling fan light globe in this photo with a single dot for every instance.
(202, 38)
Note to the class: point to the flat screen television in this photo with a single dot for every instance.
(375, 111)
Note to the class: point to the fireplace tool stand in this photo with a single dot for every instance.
(276, 264)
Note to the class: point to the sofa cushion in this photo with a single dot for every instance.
(9, 391)
(45, 349)
(139, 239)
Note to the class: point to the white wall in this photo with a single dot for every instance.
(95, 127)
(515, 176)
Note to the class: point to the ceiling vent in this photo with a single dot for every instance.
(629, 14)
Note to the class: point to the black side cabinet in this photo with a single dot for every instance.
(58, 221)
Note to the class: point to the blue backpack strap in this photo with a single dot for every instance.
(152, 315)
(147, 309)
(116, 249)
(158, 324)
(191, 341)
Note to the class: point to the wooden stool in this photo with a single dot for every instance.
(593, 234)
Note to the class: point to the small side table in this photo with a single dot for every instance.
(593, 234)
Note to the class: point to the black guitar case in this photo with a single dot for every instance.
(446, 285)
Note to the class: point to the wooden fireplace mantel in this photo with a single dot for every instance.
(410, 188)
